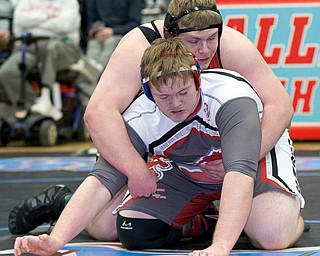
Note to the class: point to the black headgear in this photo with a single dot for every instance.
(171, 22)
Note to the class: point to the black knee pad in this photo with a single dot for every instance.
(138, 234)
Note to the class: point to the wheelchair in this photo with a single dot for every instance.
(35, 128)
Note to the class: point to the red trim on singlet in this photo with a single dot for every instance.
(195, 111)
(182, 141)
(263, 172)
(195, 206)
(215, 62)
(130, 201)
(263, 169)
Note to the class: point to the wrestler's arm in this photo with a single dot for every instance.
(77, 214)
(244, 58)
(114, 180)
(102, 184)
(116, 89)
(240, 132)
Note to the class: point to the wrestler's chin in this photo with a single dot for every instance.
(178, 117)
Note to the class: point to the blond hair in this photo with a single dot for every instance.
(167, 58)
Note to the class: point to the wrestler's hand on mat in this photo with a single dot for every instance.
(212, 250)
(38, 245)
(142, 184)
(214, 170)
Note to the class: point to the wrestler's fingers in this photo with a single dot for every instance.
(17, 243)
(199, 253)
(19, 248)
(43, 236)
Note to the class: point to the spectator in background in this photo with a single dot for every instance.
(107, 21)
(4, 39)
(6, 10)
(58, 20)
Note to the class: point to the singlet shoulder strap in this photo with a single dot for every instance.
(150, 32)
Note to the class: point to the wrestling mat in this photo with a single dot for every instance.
(115, 249)
(26, 174)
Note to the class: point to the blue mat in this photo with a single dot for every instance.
(115, 249)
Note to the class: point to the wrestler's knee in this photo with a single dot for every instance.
(145, 233)
(274, 235)
(100, 233)
(274, 221)
(270, 240)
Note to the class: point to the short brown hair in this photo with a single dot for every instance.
(167, 58)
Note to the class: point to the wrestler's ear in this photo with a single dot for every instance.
(197, 72)
(146, 87)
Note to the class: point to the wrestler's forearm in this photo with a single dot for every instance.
(235, 205)
(80, 210)
(276, 118)
(110, 136)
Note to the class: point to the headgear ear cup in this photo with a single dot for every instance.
(197, 72)
(145, 87)
(170, 25)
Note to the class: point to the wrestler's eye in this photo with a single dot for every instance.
(212, 38)
(163, 97)
(191, 40)
(183, 92)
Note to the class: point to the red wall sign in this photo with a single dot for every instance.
(287, 34)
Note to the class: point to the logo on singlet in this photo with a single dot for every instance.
(126, 225)
(159, 164)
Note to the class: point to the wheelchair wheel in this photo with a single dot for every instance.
(48, 133)
(4, 133)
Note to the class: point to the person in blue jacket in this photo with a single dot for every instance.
(107, 21)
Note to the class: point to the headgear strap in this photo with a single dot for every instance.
(171, 22)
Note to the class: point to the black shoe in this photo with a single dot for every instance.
(307, 227)
(33, 212)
